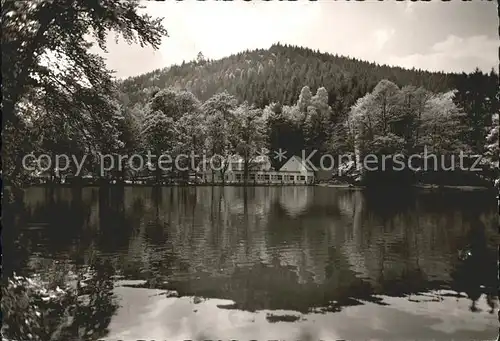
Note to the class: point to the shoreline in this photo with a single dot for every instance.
(426, 187)
(417, 186)
(457, 187)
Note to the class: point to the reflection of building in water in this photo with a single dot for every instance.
(258, 200)
(294, 199)
(304, 240)
(301, 238)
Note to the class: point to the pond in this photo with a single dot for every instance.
(270, 262)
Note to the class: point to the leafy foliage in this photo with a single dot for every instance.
(249, 134)
(52, 73)
(410, 104)
(493, 143)
(34, 309)
(390, 117)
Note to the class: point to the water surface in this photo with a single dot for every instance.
(273, 262)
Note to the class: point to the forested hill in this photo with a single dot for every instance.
(303, 100)
(279, 73)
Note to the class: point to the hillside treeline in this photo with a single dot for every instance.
(285, 97)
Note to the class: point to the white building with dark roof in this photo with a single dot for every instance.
(294, 171)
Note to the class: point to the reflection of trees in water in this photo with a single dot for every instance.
(250, 243)
(51, 222)
(275, 286)
(415, 249)
(386, 237)
(51, 306)
(476, 272)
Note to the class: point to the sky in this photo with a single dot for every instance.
(450, 36)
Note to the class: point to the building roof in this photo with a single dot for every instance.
(236, 162)
(296, 163)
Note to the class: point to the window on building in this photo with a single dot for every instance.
(266, 177)
(292, 177)
(252, 176)
(302, 177)
(280, 177)
(238, 177)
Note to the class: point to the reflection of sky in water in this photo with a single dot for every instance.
(425, 317)
(294, 248)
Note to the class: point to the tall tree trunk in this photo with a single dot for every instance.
(245, 171)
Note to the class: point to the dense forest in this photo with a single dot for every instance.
(299, 99)
(284, 97)
(278, 74)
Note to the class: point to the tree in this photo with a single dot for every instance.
(390, 120)
(412, 114)
(478, 96)
(385, 104)
(284, 129)
(305, 98)
(130, 135)
(219, 113)
(492, 143)
(36, 33)
(174, 103)
(159, 133)
(173, 125)
(415, 103)
(55, 136)
(32, 31)
(341, 139)
(317, 123)
(441, 125)
(362, 122)
(192, 135)
(249, 135)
